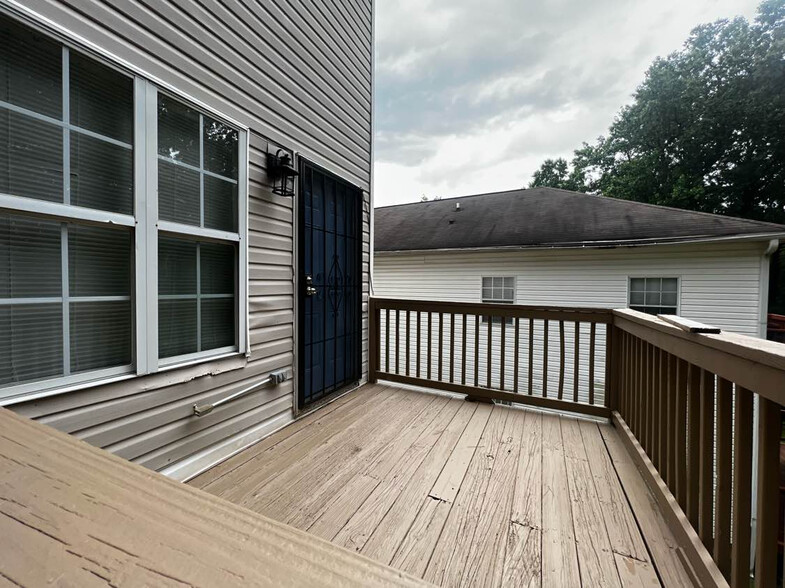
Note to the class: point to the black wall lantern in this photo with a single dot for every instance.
(282, 172)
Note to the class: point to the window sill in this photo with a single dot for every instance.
(166, 376)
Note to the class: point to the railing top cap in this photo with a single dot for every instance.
(759, 350)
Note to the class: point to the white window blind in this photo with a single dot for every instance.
(78, 292)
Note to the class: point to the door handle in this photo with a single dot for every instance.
(309, 289)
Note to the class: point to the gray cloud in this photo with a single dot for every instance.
(526, 79)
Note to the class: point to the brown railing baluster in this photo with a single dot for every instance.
(531, 356)
(576, 362)
(722, 498)
(611, 378)
(742, 489)
(441, 347)
(489, 351)
(706, 460)
(592, 336)
(641, 392)
(408, 339)
(657, 436)
(516, 347)
(419, 320)
(502, 354)
(452, 347)
(672, 421)
(545, 358)
(463, 352)
(476, 350)
(693, 443)
(646, 405)
(561, 359)
(681, 433)
(387, 340)
(430, 341)
(768, 519)
(397, 340)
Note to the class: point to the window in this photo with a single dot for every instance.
(87, 289)
(654, 295)
(197, 193)
(498, 290)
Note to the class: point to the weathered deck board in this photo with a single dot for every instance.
(654, 529)
(559, 553)
(461, 493)
(595, 557)
(72, 514)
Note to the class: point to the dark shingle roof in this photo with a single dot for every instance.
(547, 217)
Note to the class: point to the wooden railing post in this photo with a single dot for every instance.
(374, 336)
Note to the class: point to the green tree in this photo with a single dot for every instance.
(556, 173)
(705, 130)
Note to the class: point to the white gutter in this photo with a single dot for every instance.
(592, 244)
(763, 309)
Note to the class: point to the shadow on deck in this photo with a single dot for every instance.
(460, 493)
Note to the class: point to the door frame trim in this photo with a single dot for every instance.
(299, 301)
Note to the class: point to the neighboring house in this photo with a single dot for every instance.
(545, 246)
(150, 259)
(550, 247)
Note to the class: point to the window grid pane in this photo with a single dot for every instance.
(654, 295)
(498, 289)
(206, 194)
(65, 303)
(197, 296)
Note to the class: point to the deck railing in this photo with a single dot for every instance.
(688, 402)
(684, 403)
(547, 357)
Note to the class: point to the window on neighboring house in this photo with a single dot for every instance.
(498, 290)
(76, 201)
(654, 295)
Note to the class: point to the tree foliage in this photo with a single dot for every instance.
(705, 130)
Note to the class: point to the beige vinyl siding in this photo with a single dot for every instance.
(719, 285)
(299, 76)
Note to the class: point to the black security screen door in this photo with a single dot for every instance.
(330, 297)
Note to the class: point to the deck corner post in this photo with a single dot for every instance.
(612, 364)
(373, 340)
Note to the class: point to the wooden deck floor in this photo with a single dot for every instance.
(460, 493)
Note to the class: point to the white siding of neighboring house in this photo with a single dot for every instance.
(719, 284)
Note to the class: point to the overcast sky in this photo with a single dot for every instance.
(472, 95)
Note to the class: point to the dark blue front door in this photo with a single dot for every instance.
(330, 297)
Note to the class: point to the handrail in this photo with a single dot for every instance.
(684, 404)
(756, 364)
(274, 378)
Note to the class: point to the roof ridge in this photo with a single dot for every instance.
(452, 198)
(681, 210)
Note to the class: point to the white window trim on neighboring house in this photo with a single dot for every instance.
(630, 277)
(146, 228)
(498, 300)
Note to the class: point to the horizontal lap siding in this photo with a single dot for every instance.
(719, 283)
(298, 75)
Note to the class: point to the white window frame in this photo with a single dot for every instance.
(499, 301)
(484, 319)
(630, 277)
(146, 226)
